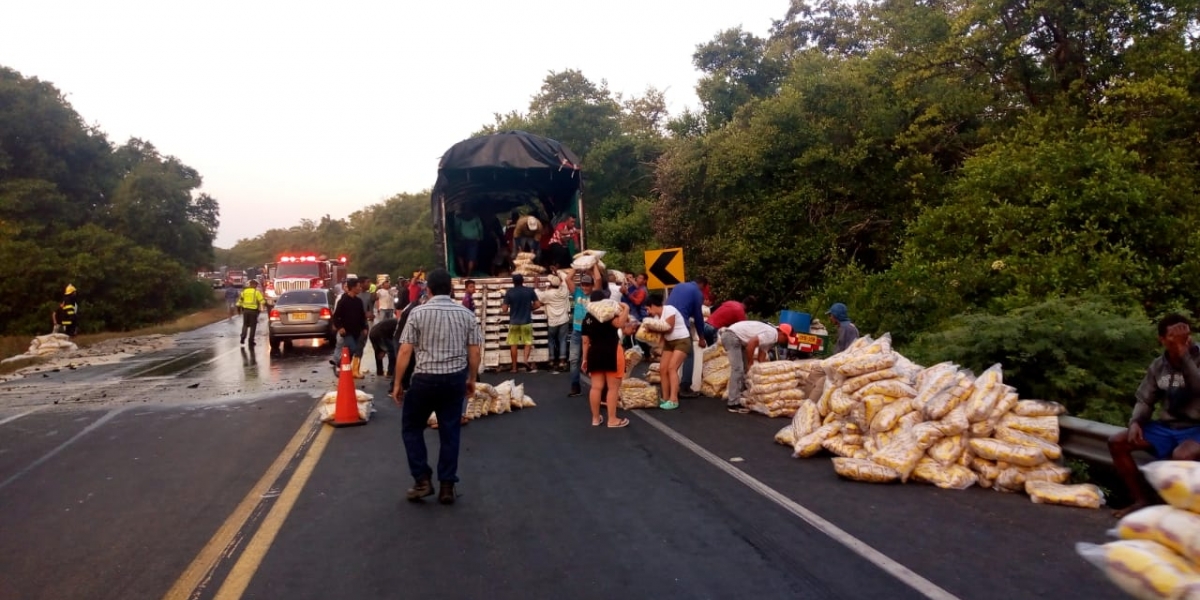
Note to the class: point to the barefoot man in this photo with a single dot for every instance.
(1172, 381)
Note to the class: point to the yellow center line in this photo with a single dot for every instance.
(248, 563)
(201, 568)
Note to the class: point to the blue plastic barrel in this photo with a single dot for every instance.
(800, 322)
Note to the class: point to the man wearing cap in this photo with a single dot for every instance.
(557, 302)
(580, 297)
(526, 234)
(745, 343)
(847, 331)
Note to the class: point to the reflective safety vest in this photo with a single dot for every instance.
(67, 314)
(251, 299)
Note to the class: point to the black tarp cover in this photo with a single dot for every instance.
(503, 171)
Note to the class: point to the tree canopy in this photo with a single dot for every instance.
(125, 225)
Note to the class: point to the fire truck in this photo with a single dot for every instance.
(302, 272)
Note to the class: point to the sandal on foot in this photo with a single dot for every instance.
(598, 423)
(620, 423)
(668, 405)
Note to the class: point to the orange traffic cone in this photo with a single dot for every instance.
(346, 412)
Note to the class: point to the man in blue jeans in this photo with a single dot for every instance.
(579, 296)
(688, 299)
(445, 338)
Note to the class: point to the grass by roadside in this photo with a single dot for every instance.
(13, 345)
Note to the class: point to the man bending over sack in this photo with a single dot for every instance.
(746, 342)
(1174, 381)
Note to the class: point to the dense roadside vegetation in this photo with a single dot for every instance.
(124, 224)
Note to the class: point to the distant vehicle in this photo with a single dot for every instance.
(301, 314)
(235, 279)
(302, 272)
(213, 278)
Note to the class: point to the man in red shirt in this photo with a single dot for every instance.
(563, 233)
(730, 312)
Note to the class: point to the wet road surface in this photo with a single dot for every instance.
(199, 472)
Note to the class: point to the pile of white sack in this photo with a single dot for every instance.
(523, 265)
(328, 406)
(54, 343)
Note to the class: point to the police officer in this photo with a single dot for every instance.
(251, 301)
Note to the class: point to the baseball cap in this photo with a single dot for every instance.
(586, 280)
(786, 328)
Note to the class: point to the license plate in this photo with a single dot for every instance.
(300, 316)
(804, 338)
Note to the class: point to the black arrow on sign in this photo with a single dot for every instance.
(659, 268)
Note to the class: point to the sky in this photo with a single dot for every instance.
(295, 110)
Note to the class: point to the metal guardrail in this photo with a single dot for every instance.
(1088, 440)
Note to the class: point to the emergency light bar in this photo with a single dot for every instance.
(294, 259)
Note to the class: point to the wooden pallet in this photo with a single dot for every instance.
(489, 297)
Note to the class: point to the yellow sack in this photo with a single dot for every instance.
(986, 469)
(1084, 495)
(954, 423)
(1144, 569)
(1013, 479)
(997, 450)
(872, 405)
(1038, 408)
(811, 444)
(856, 469)
(1043, 427)
(988, 390)
(947, 477)
(895, 388)
(1177, 481)
(982, 429)
(853, 385)
(807, 419)
(867, 363)
(948, 450)
(889, 416)
(910, 420)
(1012, 436)
(1174, 528)
(839, 446)
(1003, 406)
(648, 336)
(942, 403)
(841, 402)
(786, 436)
(901, 454)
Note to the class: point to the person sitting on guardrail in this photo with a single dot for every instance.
(1172, 379)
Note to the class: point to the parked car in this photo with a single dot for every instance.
(301, 314)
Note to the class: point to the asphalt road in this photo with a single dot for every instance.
(199, 472)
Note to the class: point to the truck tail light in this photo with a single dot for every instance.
(274, 316)
(325, 314)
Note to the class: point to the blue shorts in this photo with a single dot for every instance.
(1164, 439)
(469, 250)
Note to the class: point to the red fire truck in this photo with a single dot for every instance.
(302, 272)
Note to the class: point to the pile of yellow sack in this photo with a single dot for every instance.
(714, 377)
(888, 419)
(653, 375)
(1158, 554)
(496, 400)
(523, 265)
(638, 393)
(777, 389)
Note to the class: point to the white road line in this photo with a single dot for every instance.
(161, 365)
(907, 576)
(63, 446)
(18, 416)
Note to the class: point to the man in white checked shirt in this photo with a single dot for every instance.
(446, 339)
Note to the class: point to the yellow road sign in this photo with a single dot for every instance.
(664, 268)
